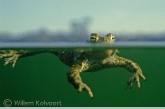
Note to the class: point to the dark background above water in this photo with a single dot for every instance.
(78, 32)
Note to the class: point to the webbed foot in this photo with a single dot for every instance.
(10, 56)
(78, 84)
(75, 79)
(85, 87)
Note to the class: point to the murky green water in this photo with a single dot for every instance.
(42, 78)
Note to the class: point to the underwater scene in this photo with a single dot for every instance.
(41, 80)
(82, 53)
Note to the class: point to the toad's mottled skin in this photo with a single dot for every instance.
(80, 60)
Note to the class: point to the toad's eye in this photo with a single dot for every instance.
(113, 37)
(94, 38)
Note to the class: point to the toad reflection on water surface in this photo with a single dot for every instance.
(81, 60)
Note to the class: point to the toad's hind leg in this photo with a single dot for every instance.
(75, 79)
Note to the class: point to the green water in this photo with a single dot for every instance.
(43, 77)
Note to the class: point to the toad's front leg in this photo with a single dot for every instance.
(131, 66)
(75, 79)
(134, 68)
